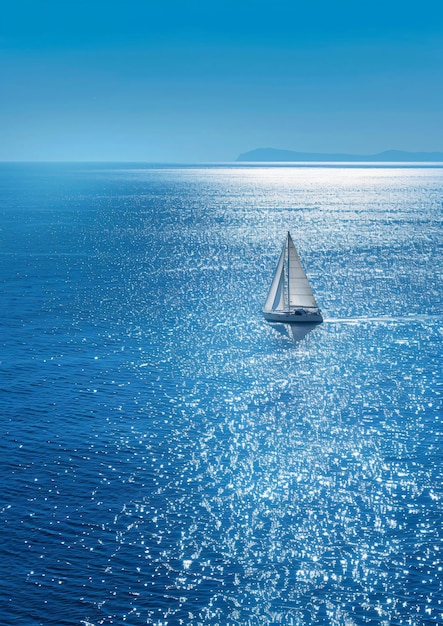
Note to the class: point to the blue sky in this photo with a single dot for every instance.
(202, 81)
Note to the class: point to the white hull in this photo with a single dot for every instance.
(299, 316)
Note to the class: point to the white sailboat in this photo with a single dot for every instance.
(290, 298)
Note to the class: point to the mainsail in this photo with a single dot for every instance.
(299, 289)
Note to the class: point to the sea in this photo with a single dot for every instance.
(168, 456)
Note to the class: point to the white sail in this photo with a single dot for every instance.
(275, 299)
(299, 289)
(290, 298)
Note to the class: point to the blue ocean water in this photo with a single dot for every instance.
(168, 456)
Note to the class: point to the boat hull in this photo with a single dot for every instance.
(299, 316)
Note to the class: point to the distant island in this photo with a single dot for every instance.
(273, 154)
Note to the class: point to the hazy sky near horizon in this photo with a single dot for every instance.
(202, 81)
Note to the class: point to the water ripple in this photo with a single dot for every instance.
(168, 457)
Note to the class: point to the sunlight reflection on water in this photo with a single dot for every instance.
(186, 462)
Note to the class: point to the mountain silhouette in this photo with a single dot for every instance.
(275, 155)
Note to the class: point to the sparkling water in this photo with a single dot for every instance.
(168, 456)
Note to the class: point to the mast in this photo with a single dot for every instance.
(288, 297)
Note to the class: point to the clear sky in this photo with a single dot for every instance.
(204, 80)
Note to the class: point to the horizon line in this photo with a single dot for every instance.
(235, 163)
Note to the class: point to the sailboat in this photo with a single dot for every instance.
(290, 298)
